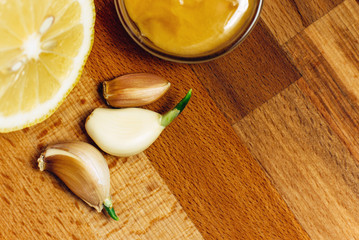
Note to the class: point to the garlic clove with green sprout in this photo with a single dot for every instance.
(134, 90)
(123, 132)
(129, 131)
(84, 171)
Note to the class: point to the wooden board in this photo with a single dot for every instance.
(309, 165)
(266, 149)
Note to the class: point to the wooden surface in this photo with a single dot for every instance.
(267, 148)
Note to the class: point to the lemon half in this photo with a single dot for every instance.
(44, 45)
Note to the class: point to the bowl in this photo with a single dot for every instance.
(188, 33)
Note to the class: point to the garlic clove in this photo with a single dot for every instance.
(123, 132)
(129, 131)
(84, 171)
(134, 90)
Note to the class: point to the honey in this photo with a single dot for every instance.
(189, 27)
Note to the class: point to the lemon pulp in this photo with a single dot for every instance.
(43, 47)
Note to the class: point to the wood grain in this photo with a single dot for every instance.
(309, 165)
(306, 137)
(246, 78)
(286, 18)
(143, 202)
(327, 55)
(289, 170)
(223, 189)
(218, 184)
(199, 156)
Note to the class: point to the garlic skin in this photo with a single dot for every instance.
(124, 132)
(82, 168)
(134, 90)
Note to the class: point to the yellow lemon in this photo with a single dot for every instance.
(44, 45)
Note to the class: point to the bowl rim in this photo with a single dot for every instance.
(190, 59)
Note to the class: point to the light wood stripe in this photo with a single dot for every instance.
(287, 18)
(327, 54)
(144, 204)
(307, 162)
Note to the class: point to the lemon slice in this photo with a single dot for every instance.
(44, 45)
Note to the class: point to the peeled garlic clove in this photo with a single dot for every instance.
(123, 132)
(134, 90)
(129, 131)
(84, 171)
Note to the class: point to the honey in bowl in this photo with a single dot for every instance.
(186, 30)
